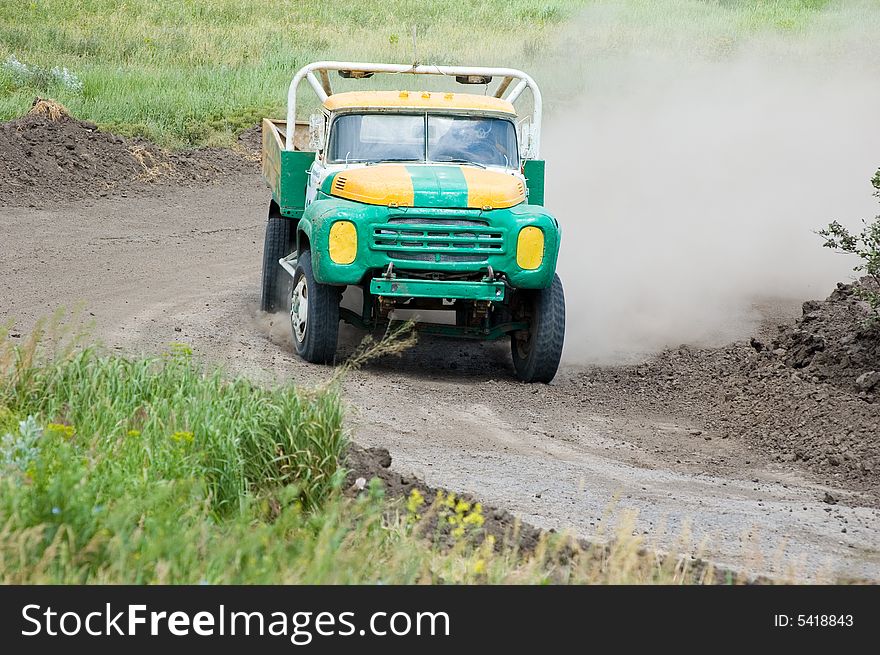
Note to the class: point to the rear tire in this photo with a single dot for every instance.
(314, 314)
(276, 245)
(536, 354)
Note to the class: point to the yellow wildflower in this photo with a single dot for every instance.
(414, 502)
(66, 431)
(475, 518)
(180, 350)
(182, 437)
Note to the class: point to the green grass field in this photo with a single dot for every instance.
(194, 72)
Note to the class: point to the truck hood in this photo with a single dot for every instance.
(427, 185)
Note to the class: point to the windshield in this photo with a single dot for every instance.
(480, 140)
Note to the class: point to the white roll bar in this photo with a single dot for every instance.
(322, 87)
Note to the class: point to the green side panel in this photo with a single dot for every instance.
(438, 186)
(327, 184)
(461, 290)
(534, 172)
(294, 179)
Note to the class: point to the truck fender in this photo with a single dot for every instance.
(303, 235)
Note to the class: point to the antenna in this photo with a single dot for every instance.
(415, 46)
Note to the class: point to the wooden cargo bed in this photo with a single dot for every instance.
(286, 171)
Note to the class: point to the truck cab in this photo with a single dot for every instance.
(428, 201)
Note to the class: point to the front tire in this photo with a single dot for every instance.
(537, 352)
(314, 314)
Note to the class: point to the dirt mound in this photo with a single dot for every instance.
(48, 156)
(251, 140)
(369, 463)
(835, 341)
(808, 394)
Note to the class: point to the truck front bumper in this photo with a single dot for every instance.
(451, 289)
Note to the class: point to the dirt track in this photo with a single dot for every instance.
(183, 265)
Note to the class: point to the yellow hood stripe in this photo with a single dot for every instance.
(458, 186)
(492, 190)
(380, 185)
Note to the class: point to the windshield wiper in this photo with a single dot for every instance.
(392, 159)
(456, 160)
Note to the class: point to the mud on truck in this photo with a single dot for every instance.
(429, 202)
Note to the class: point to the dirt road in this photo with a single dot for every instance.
(183, 265)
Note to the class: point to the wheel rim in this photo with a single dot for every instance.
(524, 345)
(299, 309)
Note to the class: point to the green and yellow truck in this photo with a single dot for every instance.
(430, 202)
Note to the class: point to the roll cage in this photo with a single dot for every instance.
(511, 87)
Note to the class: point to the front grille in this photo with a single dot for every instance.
(438, 240)
(432, 257)
(445, 222)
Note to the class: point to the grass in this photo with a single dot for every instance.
(117, 470)
(195, 72)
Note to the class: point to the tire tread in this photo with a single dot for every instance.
(322, 330)
(543, 359)
(275, 246)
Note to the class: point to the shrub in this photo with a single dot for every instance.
(38, 78)
(865, 245)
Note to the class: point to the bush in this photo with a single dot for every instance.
(865, 245)
(31, 77)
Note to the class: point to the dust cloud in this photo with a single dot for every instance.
(689, 189)
(275, 326)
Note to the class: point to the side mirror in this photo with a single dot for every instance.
(525, 140)
(316, 132)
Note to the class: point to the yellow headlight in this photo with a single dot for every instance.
(530, 248)
(343, 242)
